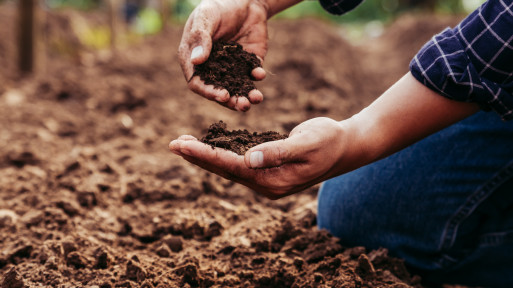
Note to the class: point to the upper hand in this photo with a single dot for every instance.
(243, 21)
(308, 156)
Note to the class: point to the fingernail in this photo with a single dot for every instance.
(172, 147)
(196, 52)
(256, 159)
(221, 98)
(185, 151)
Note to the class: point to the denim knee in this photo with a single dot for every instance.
(422, 203)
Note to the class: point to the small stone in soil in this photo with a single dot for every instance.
(76, 260)
(174, 243)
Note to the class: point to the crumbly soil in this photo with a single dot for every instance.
(91, 197)
(238, 141)
(229, 67)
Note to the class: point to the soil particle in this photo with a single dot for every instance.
(87, 199)
(52, 263)
(147, 284)
(238, 141)
(365, 267)
(102, 258)
(76, 259)
(135, 272)
(68, 207)
(68, 246)
(163, 251)
(189, 273)
(7, 218)
(12, 279)
(20, 159)
(229, 67)
(174, 243)
(18, 251)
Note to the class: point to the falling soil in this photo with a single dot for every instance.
(238, 141)
(229, 67)
(91, 197)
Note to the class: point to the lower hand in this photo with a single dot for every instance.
(276, 169)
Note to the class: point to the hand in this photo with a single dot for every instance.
(322, 148)
(276, 169)
(243, 21)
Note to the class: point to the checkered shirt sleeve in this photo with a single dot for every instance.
(473, 62)
(339, 7)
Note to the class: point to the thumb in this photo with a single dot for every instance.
(200, 46)
(270, 154)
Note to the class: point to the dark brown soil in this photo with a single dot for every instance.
(91, 197)
(238, 141)
(229, 67)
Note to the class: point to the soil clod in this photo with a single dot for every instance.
(13, 280)
(229, 67)
(238, 141)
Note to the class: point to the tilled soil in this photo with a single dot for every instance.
(91, 197)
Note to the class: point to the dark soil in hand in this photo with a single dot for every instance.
(238, 141)
(229, 67)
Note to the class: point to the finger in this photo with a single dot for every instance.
(273, 154)
(208, 91)
(199, 35)
(232, 103)
(253, 35)
(273, 183)
(255, 96)
(242, 104)
(231, 166)
(174, 146)
(184, 49)
(196, 42)
(187, 138)
(258, 73)
(222, 162)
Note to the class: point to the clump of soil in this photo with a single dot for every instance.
(229, 67)
(238, 141)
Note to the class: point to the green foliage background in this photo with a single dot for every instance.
(382, 10)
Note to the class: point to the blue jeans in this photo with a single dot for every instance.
(444, 204)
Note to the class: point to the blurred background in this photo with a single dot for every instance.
(110, 24)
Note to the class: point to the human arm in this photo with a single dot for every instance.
(243, 21)
(322, 148)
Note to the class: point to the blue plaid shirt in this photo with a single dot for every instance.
(472, 62)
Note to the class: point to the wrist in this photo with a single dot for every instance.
(359, 149)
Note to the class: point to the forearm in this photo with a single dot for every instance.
(404, 114)
(276, 6)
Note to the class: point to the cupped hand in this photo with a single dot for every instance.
(312, 153)
(243, 21)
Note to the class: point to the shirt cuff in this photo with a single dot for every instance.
(443, 66)
(339, 7)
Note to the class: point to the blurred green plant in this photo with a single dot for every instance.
(77, 4)
(369, 10)
(381, 10)
(148, 21)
